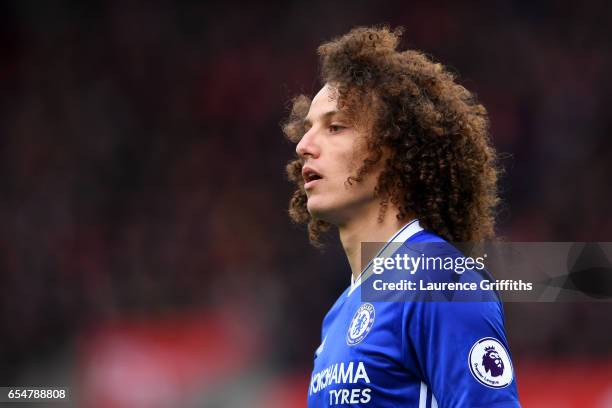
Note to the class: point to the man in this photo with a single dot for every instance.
(392, 150)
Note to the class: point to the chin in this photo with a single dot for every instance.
(324, 211)
(316, 211)
(316, 207)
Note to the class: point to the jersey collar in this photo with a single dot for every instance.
(400, 236)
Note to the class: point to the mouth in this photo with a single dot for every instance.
(311, 177)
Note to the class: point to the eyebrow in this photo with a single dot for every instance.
(308, 122)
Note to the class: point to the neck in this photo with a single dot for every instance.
(368, 228)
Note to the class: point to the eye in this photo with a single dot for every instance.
(336, 128)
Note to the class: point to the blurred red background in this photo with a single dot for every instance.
(146, 257)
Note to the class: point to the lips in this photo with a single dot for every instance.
(310, 176)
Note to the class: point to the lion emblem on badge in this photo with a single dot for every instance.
(492, 362)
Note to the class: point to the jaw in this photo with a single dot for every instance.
(342, 210)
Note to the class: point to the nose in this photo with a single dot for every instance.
(308, 146)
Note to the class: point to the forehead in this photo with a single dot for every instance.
(325, 100)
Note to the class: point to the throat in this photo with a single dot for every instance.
(368, 230)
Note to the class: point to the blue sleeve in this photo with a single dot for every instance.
(461, 352)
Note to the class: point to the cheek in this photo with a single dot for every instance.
(348, 162)
(343, 166)
(355, 161)
(357, 155)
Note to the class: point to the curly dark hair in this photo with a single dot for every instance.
(442, 167)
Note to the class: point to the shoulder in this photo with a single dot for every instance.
(440, 261)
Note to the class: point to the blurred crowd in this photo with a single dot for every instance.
(142, 162)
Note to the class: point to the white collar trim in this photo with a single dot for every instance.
(402, 235)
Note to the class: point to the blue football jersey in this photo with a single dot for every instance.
(413, 353)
